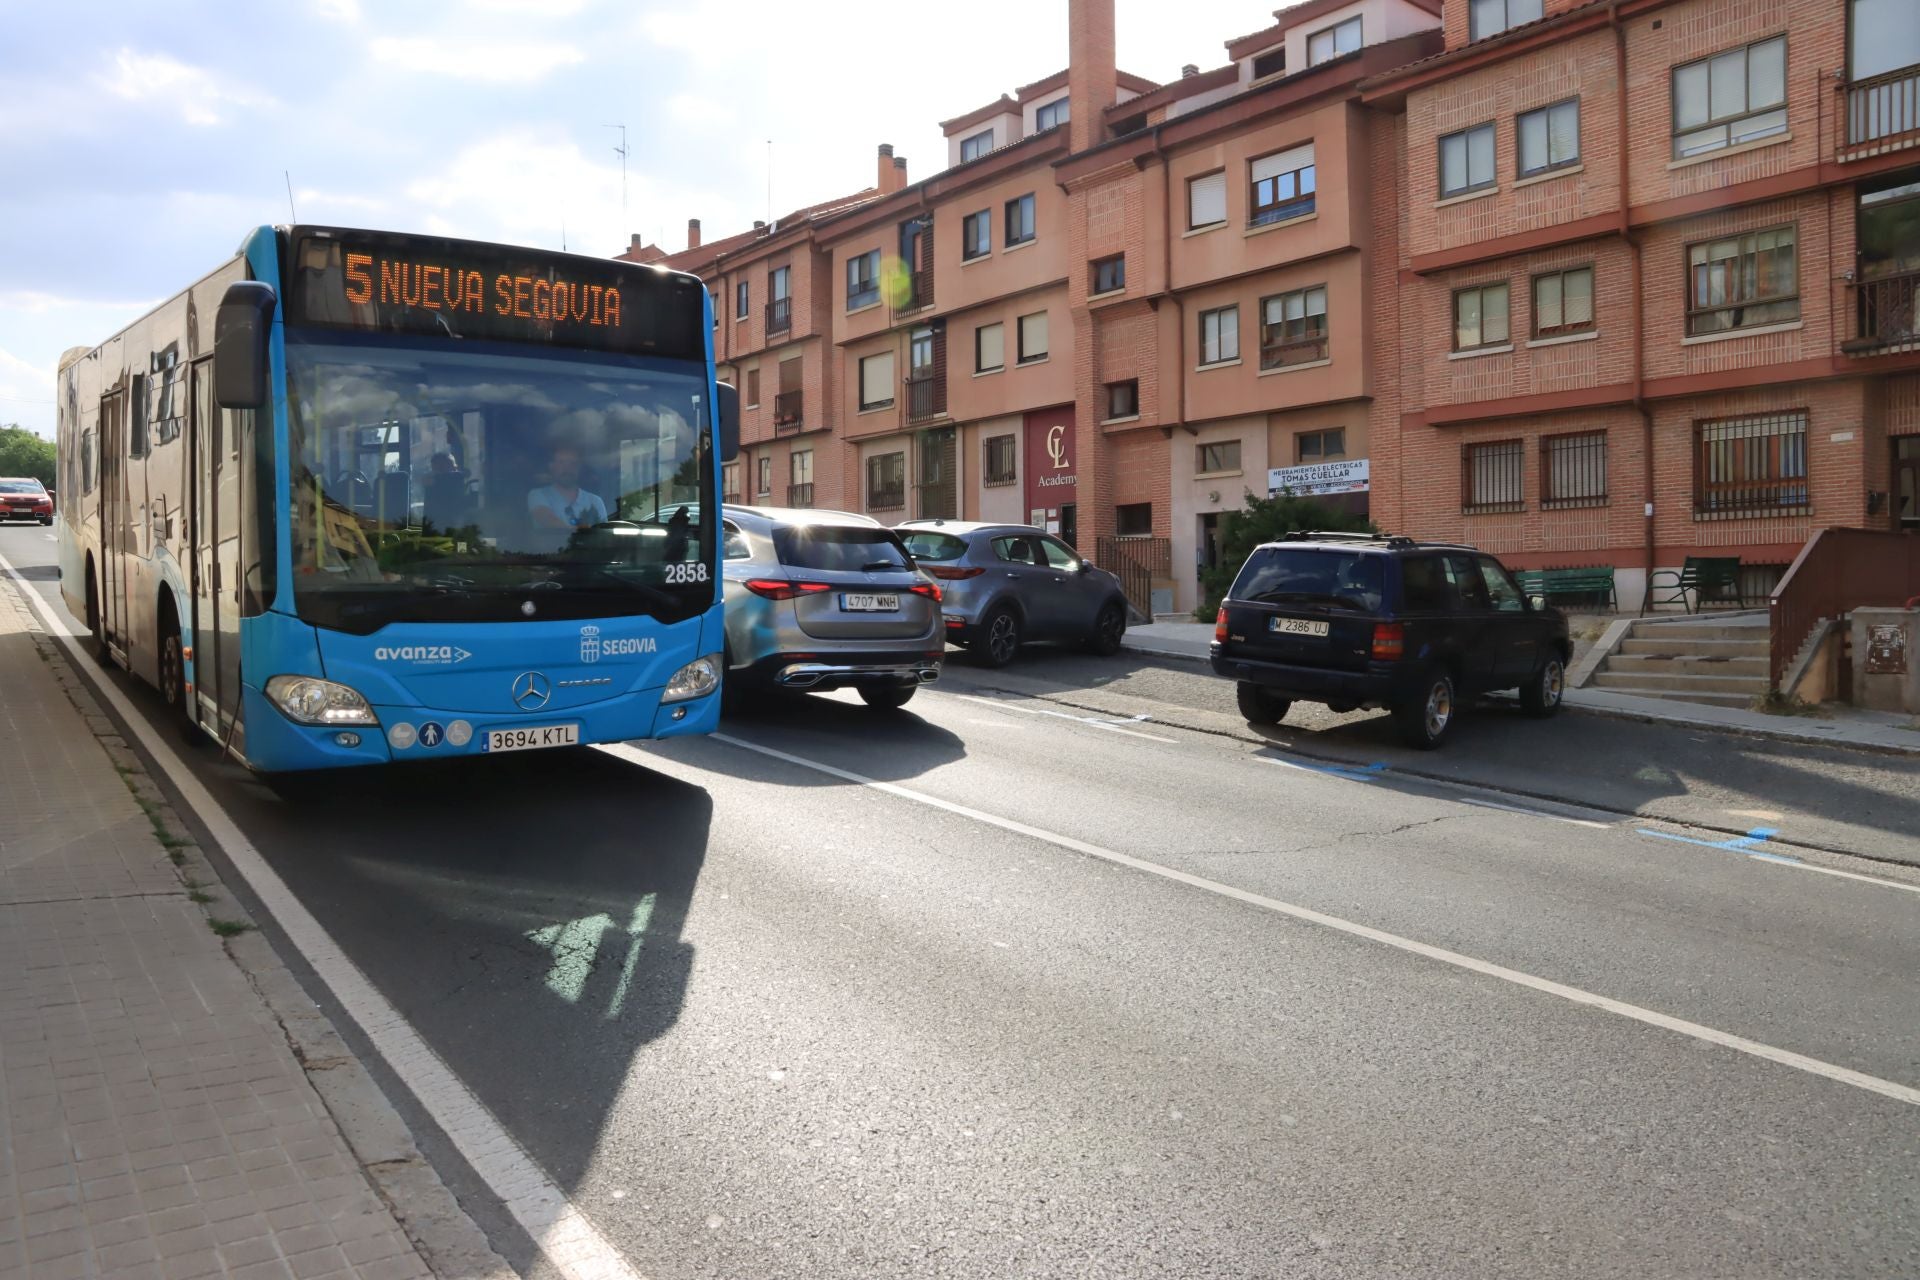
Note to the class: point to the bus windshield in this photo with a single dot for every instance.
(483, 482)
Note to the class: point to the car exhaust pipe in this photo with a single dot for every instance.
(928, 674)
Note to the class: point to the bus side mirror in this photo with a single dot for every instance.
(729, 424)
(240, 331)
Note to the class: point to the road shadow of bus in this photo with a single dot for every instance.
(887, 745)
(526, 916)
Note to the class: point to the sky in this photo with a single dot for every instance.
(139, 142)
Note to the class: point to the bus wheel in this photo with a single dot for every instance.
(173, 670)
(95, 627)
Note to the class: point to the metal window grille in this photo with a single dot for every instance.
(1492, 476)
(886, 481)
(1751, 466)
(1573, 470)
(1000, 460)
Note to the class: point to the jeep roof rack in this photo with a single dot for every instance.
(1318, 535)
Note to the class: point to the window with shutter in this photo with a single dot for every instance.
(876, 381)
(1282, 186)
(1207, 200)
(1033, 337)
(989, 348)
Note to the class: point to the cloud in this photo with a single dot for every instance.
(26, 393)
(317, 203)
(534, 8)
(694, 109)
(338, 10)
(161, 80)
(492, 63)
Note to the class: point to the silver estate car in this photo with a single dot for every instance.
(820, 600)
(1007, 584)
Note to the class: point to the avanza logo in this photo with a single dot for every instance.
(441, 654)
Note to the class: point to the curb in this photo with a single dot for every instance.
(450, 1243)
(1797, 737)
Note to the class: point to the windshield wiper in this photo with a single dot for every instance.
(874, 565)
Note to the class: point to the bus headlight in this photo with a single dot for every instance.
(310, 700)
(695, 680)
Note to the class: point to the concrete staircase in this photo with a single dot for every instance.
(1722, 662)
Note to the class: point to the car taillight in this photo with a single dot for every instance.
(780, 589)
(1389, 641)
(926, 589)
(956, 573)
(1220, 626)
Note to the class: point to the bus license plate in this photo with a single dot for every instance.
(869, 604)
(534, 737)
(1296, 627)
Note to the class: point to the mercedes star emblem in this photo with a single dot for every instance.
(531, 691)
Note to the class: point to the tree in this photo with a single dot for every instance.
(23, 453)
(1263, 520)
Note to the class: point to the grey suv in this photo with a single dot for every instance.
(1007, 584)
(820, 600)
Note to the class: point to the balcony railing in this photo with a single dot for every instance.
(926, 397)
(800, 495)
(1881, 114)
(1838, 571)
(779, 315)
(1886, 316)
(919, 293)
(786, 413)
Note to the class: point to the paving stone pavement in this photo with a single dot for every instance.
(154, 1121)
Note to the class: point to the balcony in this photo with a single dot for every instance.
(926, 397)
(786, 413)
(918, 294)
(1880, 114)
(1885, 316)
(800, 495)
(779, 315)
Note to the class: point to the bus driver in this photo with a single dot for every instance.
(560, 506)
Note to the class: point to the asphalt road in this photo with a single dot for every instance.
(1018, 983)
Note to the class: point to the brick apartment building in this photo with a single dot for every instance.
(1655, 268)
(1441, 244)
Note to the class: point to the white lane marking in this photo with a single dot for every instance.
(1537, 813)
(1574, 995)
(562, 1232)
(1093, 721)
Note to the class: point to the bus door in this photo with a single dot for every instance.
(113, 516)
(232, 434)
(202, 629)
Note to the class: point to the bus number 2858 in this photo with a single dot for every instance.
(694, 572)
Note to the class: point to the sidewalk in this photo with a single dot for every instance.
(154, 1121)
(1849, 727)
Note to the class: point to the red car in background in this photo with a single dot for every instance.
(24, 498)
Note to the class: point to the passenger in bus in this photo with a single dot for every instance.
(561, 506)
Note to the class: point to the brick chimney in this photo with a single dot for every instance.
(883, 181)
(693, 233)
(899, 173)
(1092, 83)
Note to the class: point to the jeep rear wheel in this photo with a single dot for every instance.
(1426, 719)
(1261, 706)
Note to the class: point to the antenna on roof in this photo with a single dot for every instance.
(621, 151)
(289, 177)
(770, 227)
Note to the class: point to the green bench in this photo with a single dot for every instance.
(1706, 579)
(1549, 583)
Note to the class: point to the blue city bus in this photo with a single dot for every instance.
(358, 497)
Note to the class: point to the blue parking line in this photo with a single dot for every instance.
(1353, 773)
(1752, 844)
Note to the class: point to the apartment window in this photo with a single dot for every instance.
(1491, 17)
(876, 381)
(863, 279)
(1742, 281)
(730, 482)
(740, 300)
(1340, 38)
(1466, 161)
(1271, 63)
(1051, 116)
(1549, 138)
(976, 236)
(1573, 470)
(1219, 456)
(1019, 220)
(1750, 466)
(1110, 274)
(1293, 328)
(1320, 446)
(989, 348)
(1033, 337)
(765, 485)
(1206, 200)
(1563, 302)
(886, 481)
(1730, 98)
(1133, 520)
(1492, 475)
(715, 295)
(1480, 317)
(976, 146)
(752, 398)
(998, 460)
(1282, 186)
(800, 478)
(779, 305)
(1219, 335)
(1123, 399)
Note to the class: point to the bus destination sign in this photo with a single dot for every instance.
(459, 289)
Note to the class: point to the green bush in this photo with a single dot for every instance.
(1263, 520)
(23, 453)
